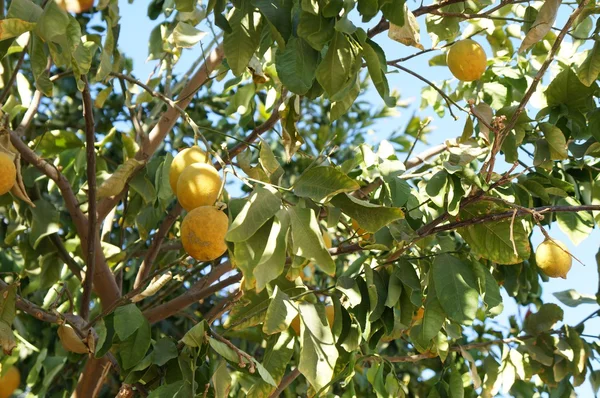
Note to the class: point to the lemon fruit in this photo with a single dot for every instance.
(184, 159)
(553, 258)
(9, 382)
(329, 311)
(203, 233)
(360, 232)
(8, 173)
(198, 185)
(75, 6)
(70, 340)
(466, 60)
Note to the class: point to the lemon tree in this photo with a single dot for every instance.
(271, 213)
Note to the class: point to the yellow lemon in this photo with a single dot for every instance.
(8, 173)
(9, 382)
(183, 159)
(198, 185)
(203, 233)
(553, 258)
(466, 60)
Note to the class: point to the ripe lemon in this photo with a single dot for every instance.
(203, 233)
(183, 159)
(198, 185)
(9, 382)
(8, 173)
(70, 340)
(76, 6)
(466, 60)
(329, 311)
(361, 232)
(553, 258)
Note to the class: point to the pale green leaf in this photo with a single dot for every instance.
(556, 141)
(590, 68)
(261, 206)
(280, 313)
(543, 320)
(272, 260)
(455, 283)
(370, 217)
(308, 239)
(187, 36)
(334, 70)
(242, 42)
(323, 182)
(297, 65)
(45, 221)
(14, 27)
(128, 319)
(576, 225)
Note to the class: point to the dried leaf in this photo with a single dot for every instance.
(484, 112)
(542, 25)
(18, 189)
(155, 285)
(409, 33)
(116, 182)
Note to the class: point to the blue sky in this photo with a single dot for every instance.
(136, 27)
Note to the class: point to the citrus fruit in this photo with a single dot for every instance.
(8, 173)
(327, 240)
(9, 382)
(203, 233)
(553, 258)
(70, 340)
(295, 325)
(183, 159)
(75, 6)
(466, 60)
(198, 185)
(360, 232)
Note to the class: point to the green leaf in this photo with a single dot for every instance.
(26, 10)
(491, 296)
(316, 29)
(39, 61)
(368, 9)
(224, 350)
(567, 89)
(52, 24)
(334, 70)
(576, 225)
(393, 11)
(433, 317)
(491, 240)
(590, 68)
(296, 65)
(278, 354)
(278, 13)
(14, 27)
(456, 388)
(323, 182)
(342, 105)
(164, 350)
(373, 55)
(370, 217)
(455, 283)
(280, 313)
(185, 5)
(54, 142)
(8, 297)
(543, 320)
(556, 141)
(247, 254)
(128, 319)
(272, 261)
(195, 336)
(187, 36)
(262, 206)
(106, 58)
(134, 349)
(308, 239)
(221, 380)
(572, 298)
(167, 391)
(442, 28)
(437, 188)
(242, 42)
(269, 163)
(350, 289)
(318, 353)
(44, 222)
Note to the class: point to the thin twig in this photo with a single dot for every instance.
(88, 114)
(65, 256)
(285, 382)
(8, 85)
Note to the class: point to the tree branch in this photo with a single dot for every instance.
(32, 309)
(285, 382)
(65, 256)
(13, 77)
(88, 114)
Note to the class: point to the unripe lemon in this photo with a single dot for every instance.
(9, 382)
(329, 311)
(198, 185)
(8, 173)
(76, 6)
(203, 233)
(466, 60)
(553, 258)
(361, 232)
(183, 159)
(70, 340)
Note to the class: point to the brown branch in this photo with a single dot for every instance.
(197, 292)
(157, 241)
(285, 382)
(88, 114)
(32, 309)
(419, 159)
(508, 214)
(65, 256)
